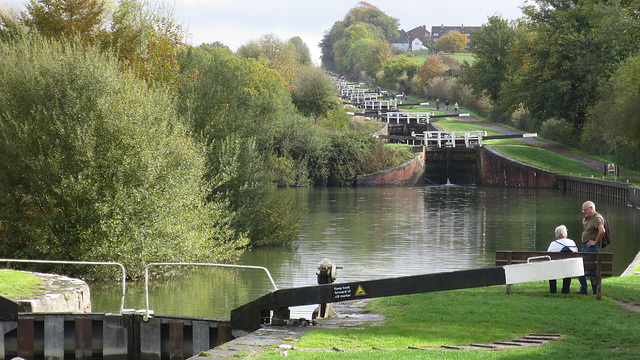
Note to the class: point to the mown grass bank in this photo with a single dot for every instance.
(593, 329)
(18, 284)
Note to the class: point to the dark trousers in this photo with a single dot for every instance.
(566, 285)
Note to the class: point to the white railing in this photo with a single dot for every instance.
(417, 117)
(124, 273)
(449, 138)
(146, 275)
(381, 104)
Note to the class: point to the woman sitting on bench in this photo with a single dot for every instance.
(561, 244)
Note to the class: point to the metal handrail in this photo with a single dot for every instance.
(124, 274)
(146, 275)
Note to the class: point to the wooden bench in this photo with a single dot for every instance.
(601, 263)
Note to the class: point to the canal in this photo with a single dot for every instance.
(376, 232)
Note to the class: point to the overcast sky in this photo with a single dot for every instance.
(236, 22)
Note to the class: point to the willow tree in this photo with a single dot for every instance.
(95, 165)
(241, 110)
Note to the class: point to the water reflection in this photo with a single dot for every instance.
(388, 232)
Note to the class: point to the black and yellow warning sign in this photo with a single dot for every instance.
(345, 292)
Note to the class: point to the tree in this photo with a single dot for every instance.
(398, 72)
(96, 166)
(452, 42)
(142, 33)
(344, 45)
(237, 108)
(278, 55)
(431, 68)
(314, 94)
(66, 19)
(304, 55)
(490, 47)
(569, 48)
(145, 36)
(613, 123)
(377, 54)
(221, 94)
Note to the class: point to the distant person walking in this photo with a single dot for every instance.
(446, 103)
(455, 107)
(437, 104)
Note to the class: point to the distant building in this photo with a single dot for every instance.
(411, 40)
(439, 31)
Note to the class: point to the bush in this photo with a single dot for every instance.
(96, 166)
(523, 120)
(313, 93)
(343, 159)
(560, 130)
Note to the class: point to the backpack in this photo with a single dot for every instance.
(606, 239)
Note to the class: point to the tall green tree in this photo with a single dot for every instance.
(276, 54)
(490, 47)
(343, 49)
(96, 166)
(145, 35)
(302, 49)
(237, 108)
(570, 47)
(142, 33)
(377, 54)
(614, 121)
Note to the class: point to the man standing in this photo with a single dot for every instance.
(593, 224)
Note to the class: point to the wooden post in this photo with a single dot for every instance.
(509, 263)
(25, 338)
(599, 278)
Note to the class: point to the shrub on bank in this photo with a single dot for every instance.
(95, 166)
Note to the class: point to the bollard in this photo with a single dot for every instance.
(327, 273)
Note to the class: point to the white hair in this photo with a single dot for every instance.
(561, 232)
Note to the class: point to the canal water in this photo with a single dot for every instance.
(382, 232)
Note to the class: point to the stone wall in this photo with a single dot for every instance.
(407, 174)
(59, 294)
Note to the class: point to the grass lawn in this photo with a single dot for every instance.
(17, 284)
(535, 156)
(593, 329)
(468, 57)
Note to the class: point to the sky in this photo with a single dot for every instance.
(237, 22)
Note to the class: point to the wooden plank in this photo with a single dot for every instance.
(83, 337)
(524, 255)
(25, 337)
(605, 268)
(176, 340)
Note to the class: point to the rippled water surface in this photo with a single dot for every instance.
(387, 232)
